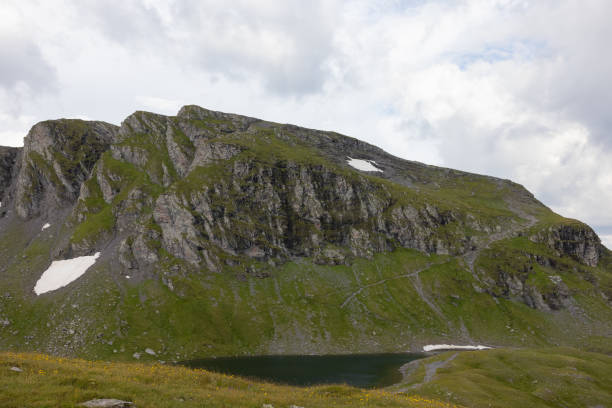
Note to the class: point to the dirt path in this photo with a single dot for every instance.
(430, 372)
(418, 286)
(383, 281)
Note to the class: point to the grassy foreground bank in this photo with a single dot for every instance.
(47, 381)
(506, 378)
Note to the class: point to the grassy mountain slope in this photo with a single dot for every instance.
(553, 377)
(225, 235)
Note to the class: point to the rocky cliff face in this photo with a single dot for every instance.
(206, 197)
(223, 189)
(216, 189)
(8, 167)
(57, 158)
(573, 239)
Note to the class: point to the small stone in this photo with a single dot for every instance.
(267, 406)
(150, 352)
(16, 369)
(136, 356)
(295, 406)
(107, 403)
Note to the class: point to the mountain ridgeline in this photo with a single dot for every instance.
(221, 234)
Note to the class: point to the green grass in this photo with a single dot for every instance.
(551, 377)
(95, 225)
(51, 381)
(368, 306)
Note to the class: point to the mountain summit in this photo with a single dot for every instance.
(209, 233)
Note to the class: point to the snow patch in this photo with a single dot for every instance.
(61, 273)
(434, 347)
(44, 227)
(363, 165)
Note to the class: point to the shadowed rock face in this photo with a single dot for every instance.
(579, 242)
(220, 189)
(8, 161)
(212, 201)
(57, 158)
(295, 210)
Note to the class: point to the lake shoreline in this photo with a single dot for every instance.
(368, 371)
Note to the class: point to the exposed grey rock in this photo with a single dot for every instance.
(131, 154)
(180, 149)
(330, 256)
(290, 219)
(143, 254)
(207, 152)
(8, 166)
(58, 156)
(107, 403)
(126, 257)
(575, 240)
(16, 369)
(179, 234)
(534, 299)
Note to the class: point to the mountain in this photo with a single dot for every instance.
(218, 234)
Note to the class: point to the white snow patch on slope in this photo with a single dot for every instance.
(44, 227)
(433, 347)
(363, 165)
(61, 273)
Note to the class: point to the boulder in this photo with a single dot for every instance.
(107, 403)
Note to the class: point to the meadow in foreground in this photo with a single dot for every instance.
(47, 381)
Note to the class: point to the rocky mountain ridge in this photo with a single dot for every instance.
(202, 197)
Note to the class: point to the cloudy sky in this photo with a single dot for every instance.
(515, 89)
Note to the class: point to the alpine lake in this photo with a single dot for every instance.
(358, 370)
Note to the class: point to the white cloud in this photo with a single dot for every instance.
(488, 86)
(14, 128)
(606, 240)
(515, 89)
(160, 105)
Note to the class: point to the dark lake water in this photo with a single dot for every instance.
(359, 370)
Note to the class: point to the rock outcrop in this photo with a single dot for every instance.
(214, 226)
(8, 168)
(58, 156)
(107, 403)
(216, 189)
(572, 239)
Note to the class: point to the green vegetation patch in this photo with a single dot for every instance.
(553, 377)
(59, 382)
